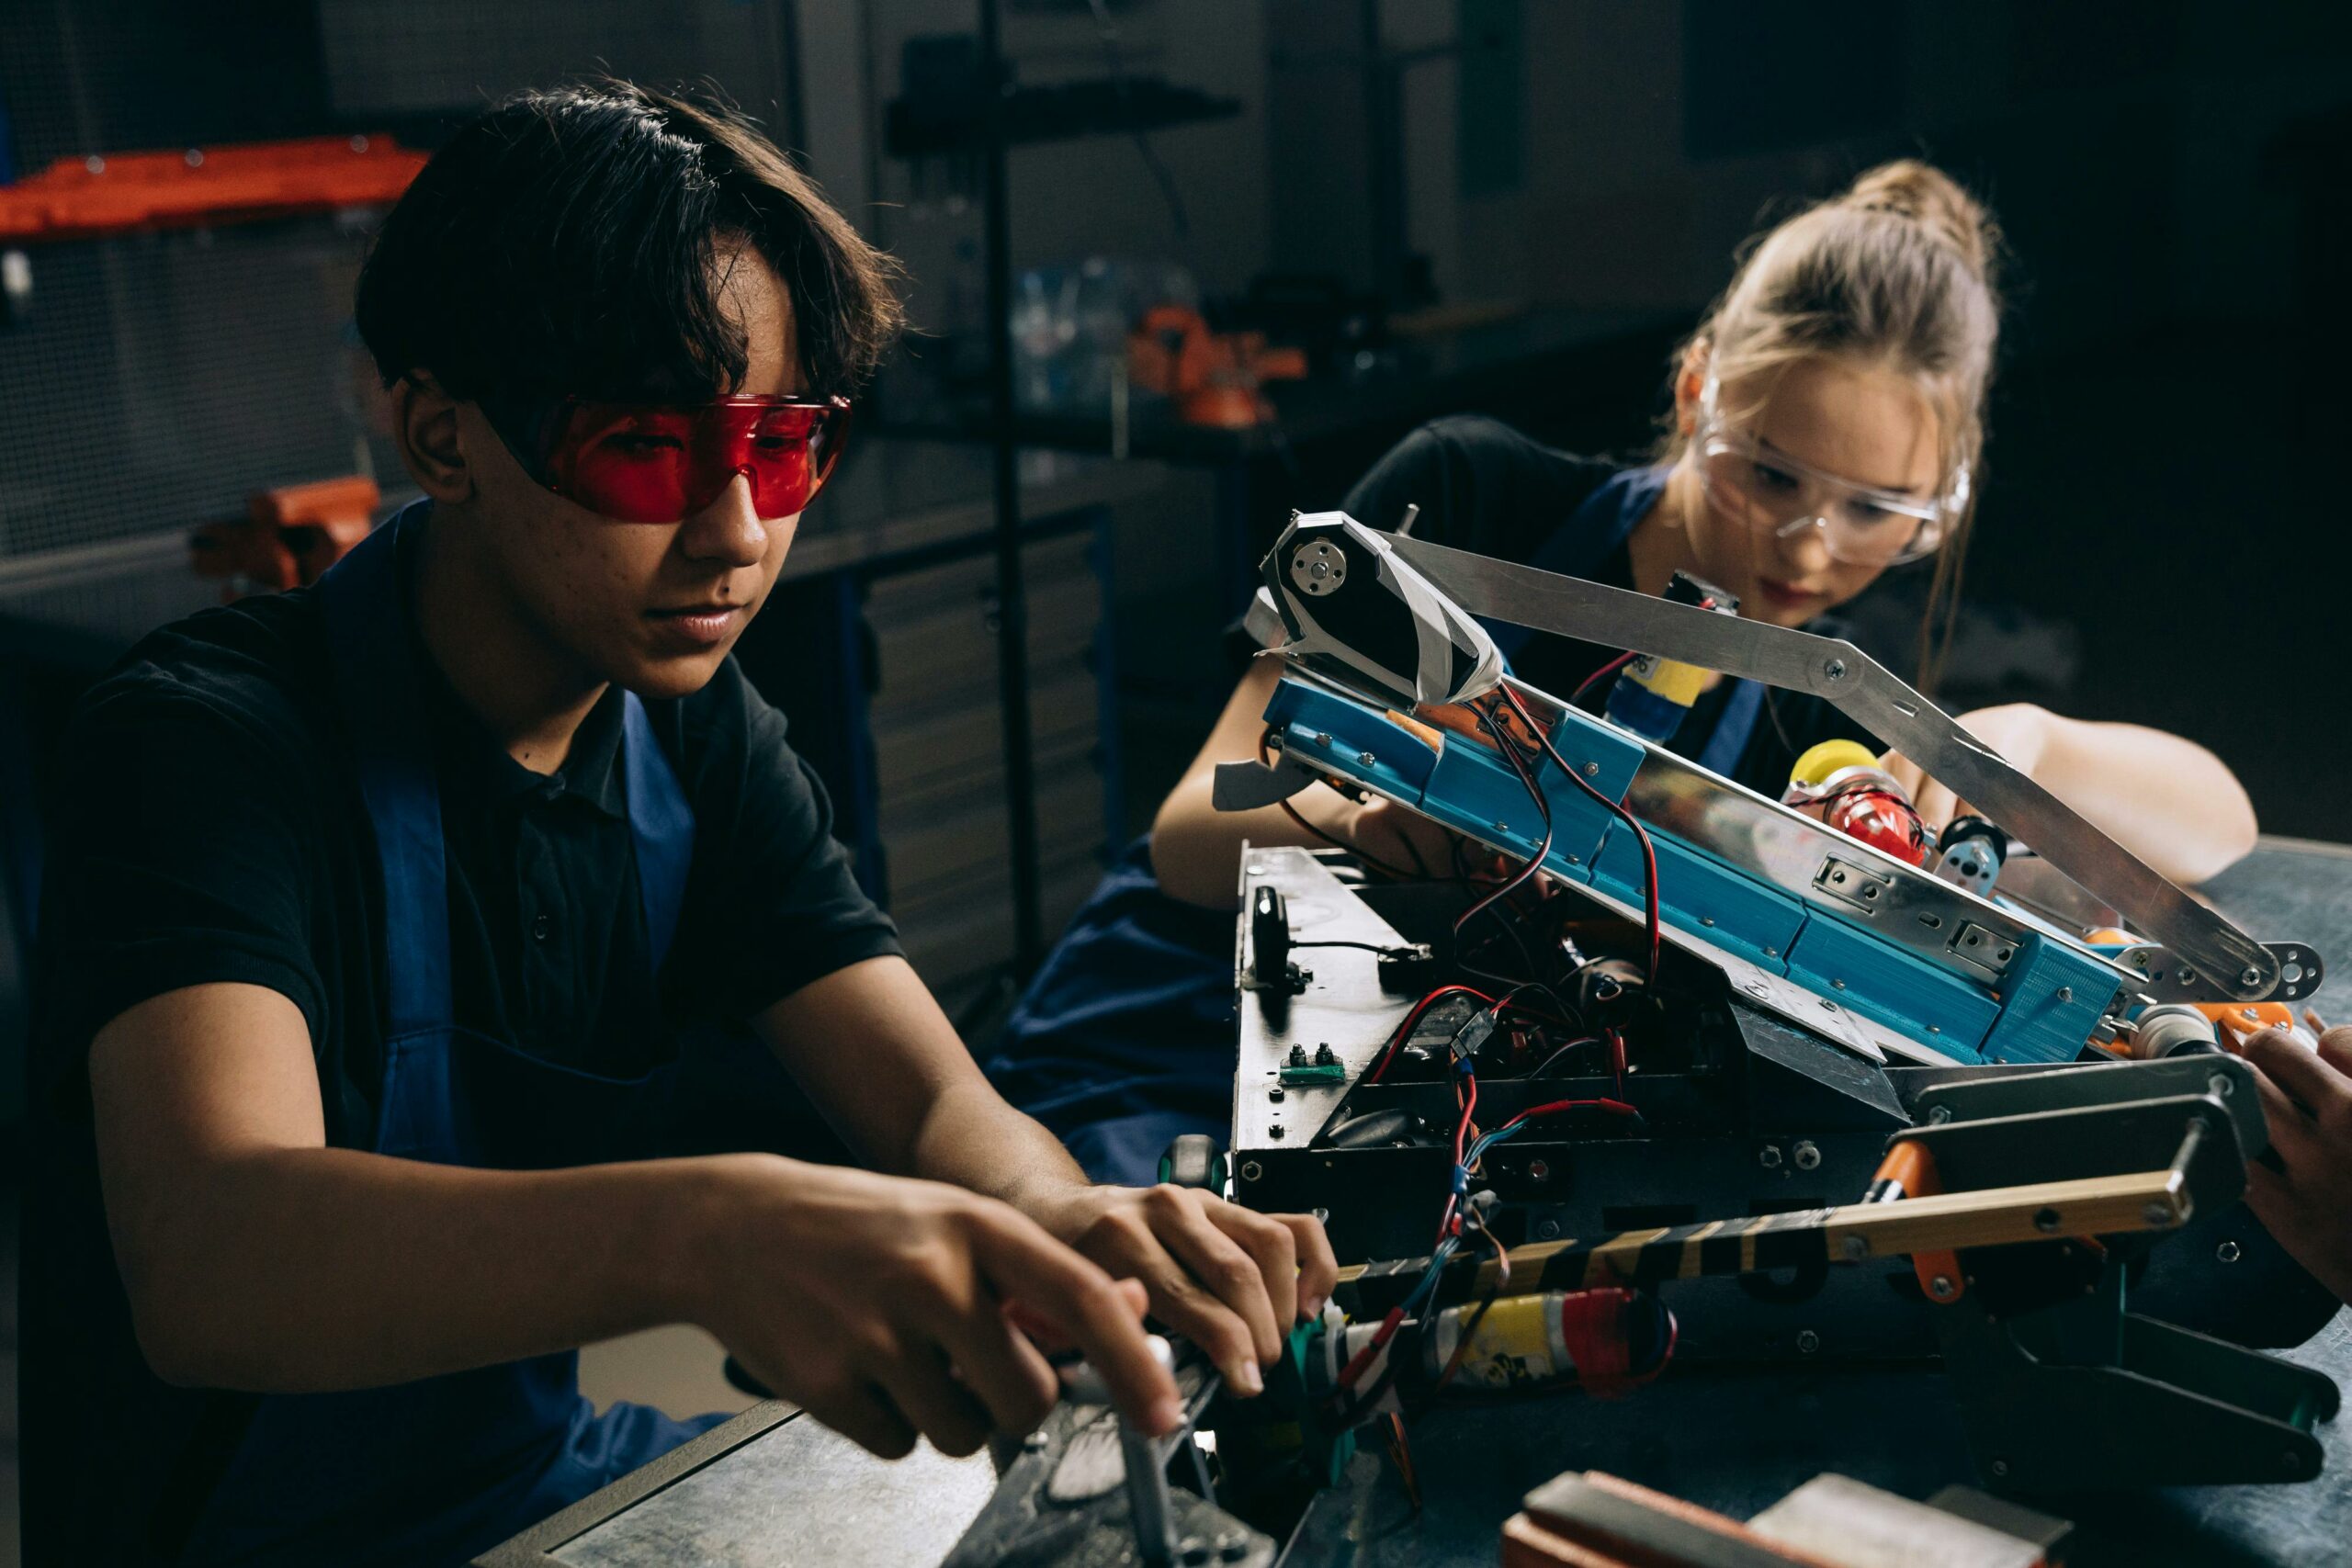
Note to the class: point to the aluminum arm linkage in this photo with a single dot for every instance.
(1848, 679)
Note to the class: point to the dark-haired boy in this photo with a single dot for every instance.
(374, 911)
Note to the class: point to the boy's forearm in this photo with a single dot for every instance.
(313, 1269)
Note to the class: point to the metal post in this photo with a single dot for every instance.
(1013, 607)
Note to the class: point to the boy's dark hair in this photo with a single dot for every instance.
(562, 243)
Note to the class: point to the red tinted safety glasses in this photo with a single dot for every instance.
(662, 463)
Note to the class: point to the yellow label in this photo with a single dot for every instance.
(1677, 683)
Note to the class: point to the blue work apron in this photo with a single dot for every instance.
(1124, 1040)
(435, 1471)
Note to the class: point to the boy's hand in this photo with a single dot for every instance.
(878, 1305)
(2307, 1097)
(1228, 1279)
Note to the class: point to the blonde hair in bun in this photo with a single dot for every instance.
(1895, 272)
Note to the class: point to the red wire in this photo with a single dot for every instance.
(1649, 850)
(1511, 754)
(1404, 1030)
(1599, 675)
(1617, 1059)
(1614, 1107)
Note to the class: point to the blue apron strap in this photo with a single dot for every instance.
(661, 823)
(1737, 723)
(368, 643)
(1579, 544)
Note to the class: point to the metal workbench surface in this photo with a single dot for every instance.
(1733, 1441)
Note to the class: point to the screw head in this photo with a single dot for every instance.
(2252, 976)
(2065, 993)
(1034, 1442)
(1768, 1157)
(2000, 1467)
(1275, 1094)
(1835, 669)
(1808, 1157)
(1593, 770)
(2227, 1252)
(1322, 739)
(1539, 1170)
(2157, 1214)
(1547, 1230)
(1940, 1113)
(2220, 1085)
(1366, 758)
(1252, 1170)
(1807, 1342)
(1855, 1248)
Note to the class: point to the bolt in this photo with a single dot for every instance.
(2227, 1252)
(1855, 1248)
(2065, 993)
(359, 145)
(1538, 1170)
(193, 158)
(1835, 669)
(2000, 1467)
(1252, 1170)
(95, 164)
(1322, 739)
(1807, 1341)
(2252, 976)
(1593, 770)
(1837, 985)
(1366, 758)
(1940, 1286)
(1325, 1056)
(1275, 1094)
(2220, 1085)
(1298, 1057)
(1768, 1157)
(1502, 827)
(2157, 1214)
(1274, 1130)
(2045, 1221)
(1939, 1114)
(1547, 1230)
(1771, 953)
(1935, 1029)
(1808, 1157)
(1034, 1442)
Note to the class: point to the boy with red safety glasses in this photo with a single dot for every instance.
(394, 927)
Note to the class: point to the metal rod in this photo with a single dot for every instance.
(1013, 605)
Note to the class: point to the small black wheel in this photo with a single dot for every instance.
(1193, 1160)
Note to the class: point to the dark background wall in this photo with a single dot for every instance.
(2160, 536)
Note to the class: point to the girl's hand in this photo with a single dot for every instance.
(1400, 837)
(2020, 732)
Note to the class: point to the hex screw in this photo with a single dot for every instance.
(2220, 1085)
(2227, 1252)
(1768, 1157)
(1366, 758)
(1547, 1230)
(1252, 1170)
(2000, 1467)
(1275, 1094)
(1807, 1342)
(1539, 1170)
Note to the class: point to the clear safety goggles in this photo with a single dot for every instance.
(1768, 492)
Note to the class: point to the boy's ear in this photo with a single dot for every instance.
(1691, 385)
(424, 423)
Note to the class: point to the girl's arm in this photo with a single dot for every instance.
(2166, 799)
(1195, 848)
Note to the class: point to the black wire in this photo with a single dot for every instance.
(1574, 1044)
(1123, 83)
(1366, 946)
